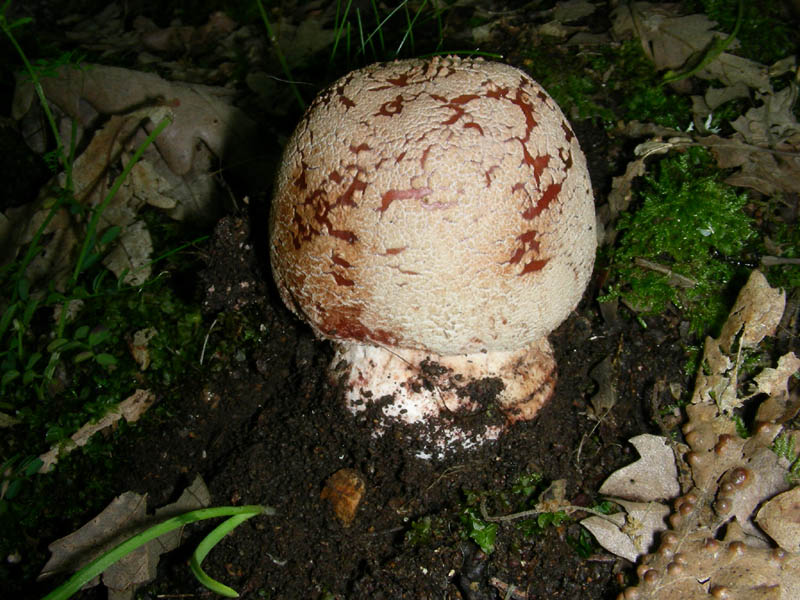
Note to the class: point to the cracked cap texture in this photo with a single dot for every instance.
(438, 204)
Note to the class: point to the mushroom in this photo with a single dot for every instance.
(434, 218)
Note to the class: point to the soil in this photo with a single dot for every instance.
(270, 428)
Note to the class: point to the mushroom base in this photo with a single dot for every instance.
(445, 393)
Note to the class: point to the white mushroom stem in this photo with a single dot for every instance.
(423, 385)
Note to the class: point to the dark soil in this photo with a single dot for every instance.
(270, 428)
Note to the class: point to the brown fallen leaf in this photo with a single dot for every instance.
(123, 518)
(129, 409)
(718, 542)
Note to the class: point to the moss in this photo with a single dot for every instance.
(692, 225)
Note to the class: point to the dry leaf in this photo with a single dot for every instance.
(653, 477)
(629, 534)
(670, 40)
(606, 396)
(755, 315)
(130, 409)
(123, 518)
(780, 519)
(731, 478)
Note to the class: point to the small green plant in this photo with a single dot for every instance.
(13, 473)
(237, 515)
(584, 543)
(684, 244)
(783, 446)
(64, 352)
(421, 532)
(537, 525)
(478, 530)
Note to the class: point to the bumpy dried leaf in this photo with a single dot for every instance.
(731, 478)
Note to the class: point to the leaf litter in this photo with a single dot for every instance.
(732, 527)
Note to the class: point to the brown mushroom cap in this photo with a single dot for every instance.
(440, 204)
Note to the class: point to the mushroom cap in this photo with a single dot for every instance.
(436, 204)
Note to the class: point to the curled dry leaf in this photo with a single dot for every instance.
(755, 315)
(174, 173)
(653, 477)
(129, 409)
(631, 533)
(670, 40)
(780, 519)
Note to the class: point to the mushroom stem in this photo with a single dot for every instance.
(414, 386)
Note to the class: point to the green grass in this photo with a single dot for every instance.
(65, 356)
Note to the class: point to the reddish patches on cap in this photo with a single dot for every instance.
(345, 101)
(344, 324)
(464, 98)
(300, 181)
(400, 157)
(567, 131)
(355, 186)
(488, 174)
(391, 108)
(550, 194)
(497, 93)
(338, 260)
(539, 164)
(424, 156)
(527, 111)
(472, 125)
(306, 227)
(566, 159)
(394, 251)
(401, 80)
(456, 105)
(341, 280)
(359, 148)
(388, 197)
(528, 243)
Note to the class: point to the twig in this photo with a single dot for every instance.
(567, 508)
(675, 279)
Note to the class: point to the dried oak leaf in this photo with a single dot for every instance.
(755, 315)
(631, 533)
(671, 40)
